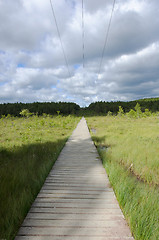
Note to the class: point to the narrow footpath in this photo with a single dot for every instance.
(76, 200)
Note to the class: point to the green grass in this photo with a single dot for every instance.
(133, 143)
(28, 150)
(129, 151)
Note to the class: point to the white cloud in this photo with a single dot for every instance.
(32, 65)
(133, 5)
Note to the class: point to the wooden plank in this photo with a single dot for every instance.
(71, 184)
(76, 200)
(77, 205)
(70, 216)
(69, 223)
(116, 231)
(97, 202)
(75, 196)
(71, 238)
(65, 210)
(75, 191)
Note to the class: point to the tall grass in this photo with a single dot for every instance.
(129, 150)
(132, 143)
(28, 149)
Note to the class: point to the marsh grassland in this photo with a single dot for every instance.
(128, 146)
(129, 149)
(28, 150)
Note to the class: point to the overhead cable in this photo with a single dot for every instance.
(53, 13)
(83, 47)
(106, 37)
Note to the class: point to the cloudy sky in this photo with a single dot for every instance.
(32, 64)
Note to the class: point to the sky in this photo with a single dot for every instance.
(32, 63)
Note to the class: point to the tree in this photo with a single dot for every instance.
(138, 110)
(131, 114)
(25, 113)
(121, 111)
(147, 113)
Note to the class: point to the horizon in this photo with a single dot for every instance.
(153, 98)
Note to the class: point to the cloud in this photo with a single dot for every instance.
(134, 76)
(32, 65)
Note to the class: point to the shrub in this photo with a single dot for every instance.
(132, 114)
(121, 111)
(25, 113)
(147, 113)
(138, 110)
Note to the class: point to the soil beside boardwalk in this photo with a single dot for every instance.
(76, 200)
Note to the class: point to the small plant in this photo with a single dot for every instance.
(147, 113)
(44, 115)
(121, 111)
(25, 113)
(109, 113)
(132, 114)
(42, 122)
(8, 116)
(3, 116)
(138, 110)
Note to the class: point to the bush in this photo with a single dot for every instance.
(132, 114)
(25, 113)
(121, 111)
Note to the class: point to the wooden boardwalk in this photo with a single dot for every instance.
(76, 201)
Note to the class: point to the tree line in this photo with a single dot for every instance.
(113, 107)
(66, 108)
(52, 108)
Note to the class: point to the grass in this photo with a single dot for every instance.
(29, 147)
(129, 151)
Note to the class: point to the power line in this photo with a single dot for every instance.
(83, 47)
(53, 13)
(106, 37)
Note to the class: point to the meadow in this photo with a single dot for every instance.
(29, 147)
(127, 144)
(129, 149)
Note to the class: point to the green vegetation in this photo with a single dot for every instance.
(66, 108)
(37, 108)
(127, 140)
(104, 107)
(128, 147)
(29, 148)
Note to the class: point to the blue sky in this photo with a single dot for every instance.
(31, 58)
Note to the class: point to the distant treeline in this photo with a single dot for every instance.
(52, 108)
(104, 107)
(66, 108)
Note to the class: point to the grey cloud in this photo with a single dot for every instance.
(34, 79)
(12, 94)
(136, 76)
(29, 38)
(131, 32)
(93, 6)
(21, 28)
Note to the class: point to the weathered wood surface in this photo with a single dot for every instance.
(76, 200)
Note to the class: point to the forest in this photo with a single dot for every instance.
(38, 108)
(66, 108)
(112, 107)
